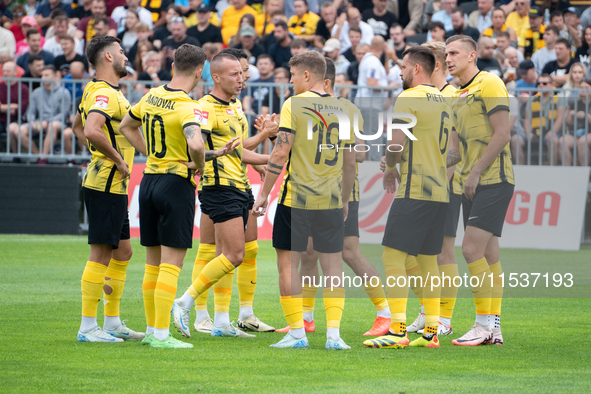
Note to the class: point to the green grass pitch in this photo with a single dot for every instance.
(547, 341)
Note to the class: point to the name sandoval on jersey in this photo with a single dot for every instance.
(160, 102)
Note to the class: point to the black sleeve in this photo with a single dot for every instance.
(548, 69)
(217, 36)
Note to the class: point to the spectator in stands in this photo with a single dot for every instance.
(159, 8)
(575, 107)
(541, 114)
(43, 13)
(177, 38)
(353, 70)
(303, 23)
(86, 28)
(481, 19)
(246, 20)
(498, 26)
(518, 20)
(510, 75)
(231, 18)
(22, 23)
(49, 107)
(332, 50)
(51, 31)
(486, 62)
(252, 104)
(572, 19)
(31, 7)
(127, 36)
(355, 38)
(444, 15)
(210, 50)
(269, 39)
(352, 18)
(163, 32)
(379, 18)
(69, 54)
(77, 72)
(583, 54)
(560, 67)
(281, 50)
(341, 80)
(532, 39)
(36, 64)
(557, 19)
(34, 42)
(60, 27)
(398, 40)
(190, 15)
(119, 15)
(22, 46)
(503, 42)
(143, 48)
(297, 46)
(527, 72)
(204, 31)
(548, 52)
(458, 21)
(328, 14)
(19, 100)
(409, 14)
(585, 19)
(82, 11)
(263, 24)
(248, 44)
(273, 102)
(102, 28)
(437, 31)
(7, 41)
(152, 64)
(128, 87)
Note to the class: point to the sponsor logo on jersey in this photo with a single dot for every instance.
(201, 117)
(230, 112)
(101, 102)
(464, 93)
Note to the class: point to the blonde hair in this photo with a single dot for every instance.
(438, 49)
(570, 83)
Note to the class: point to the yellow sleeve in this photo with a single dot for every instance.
(311, 24)
(352, 110)
(286, 123)
(403, 105)
(104, 101)
(136, 111)
(521, 39)
(205, 116)
(190, 115)
(293, 27)
(494, 95)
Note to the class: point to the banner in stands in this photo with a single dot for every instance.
(547, 210)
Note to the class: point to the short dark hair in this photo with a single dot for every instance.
(563, 41)
(31, 32)
(298, 43)
(35, 58)
(188, 58)
(96, 46)
(554, 14)
(553, 29)
(176, 9)
(55, 13)
(101, 19)
(499, 9)
(423, 56)
(265, 56)
(220, 57)
(458, 9)
(281, 24)
(59, 18)
(49, 67)
(69, 38)
(503, 34)
(355, 29)
(237, 53)
(433, 25)
(331, 71)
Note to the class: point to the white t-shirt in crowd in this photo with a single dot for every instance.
(54, 47)
(120, 13)
(371, 67)
(366, 35)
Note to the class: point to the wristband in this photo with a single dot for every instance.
(273, 138)
(390, 168)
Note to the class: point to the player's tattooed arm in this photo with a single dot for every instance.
(196, 146)
(284, 139)
(274, 168)
(453, 157)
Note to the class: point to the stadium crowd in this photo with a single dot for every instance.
(530, 45)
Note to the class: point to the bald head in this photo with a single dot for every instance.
(377, 44)
(221, 61)
(77, 70)
(486, 48)
(9, 69)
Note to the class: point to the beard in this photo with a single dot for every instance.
(120, 68)
(406, 82)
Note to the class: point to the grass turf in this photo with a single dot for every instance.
(547, 345)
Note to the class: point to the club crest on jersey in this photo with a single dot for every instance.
(230, 112)
(101, 102)
(464, 93)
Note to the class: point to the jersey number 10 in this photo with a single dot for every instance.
(150, 126)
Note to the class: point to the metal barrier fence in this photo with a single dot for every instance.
(551, 126)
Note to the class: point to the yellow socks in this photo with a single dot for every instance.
(412, 269)
(334, 303)
(449, 291)
(246, 277)
(309, 298)
(222, 293)
(148, 288)
(497, 295)
(210, 275)
(376, 294)
(113, 287)
(394, 263)
(399, 328)
(482, 293)
(93, 279)
(292, 310)
(165, 293)
(431, 294)
(205, 254)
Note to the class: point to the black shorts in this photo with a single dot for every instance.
(167, 211)
(108, 218)
(223, 203)
(453, 215)
(488, 209)
(352, 222)
(293, 226)
(415, 226)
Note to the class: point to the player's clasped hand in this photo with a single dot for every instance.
(267, 124)
(229, 147)
(471, 184)
(123, 168)
(390, 178)
(260, 206)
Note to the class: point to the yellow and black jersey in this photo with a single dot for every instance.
(221, 121)
(423, 171)
(102, 174)
(531, 41)
(303, 26)
(491, 33)
(352, 110)
(448, 92)
(315, 165)
(155, 7)
(475, 102)
(164, 113)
